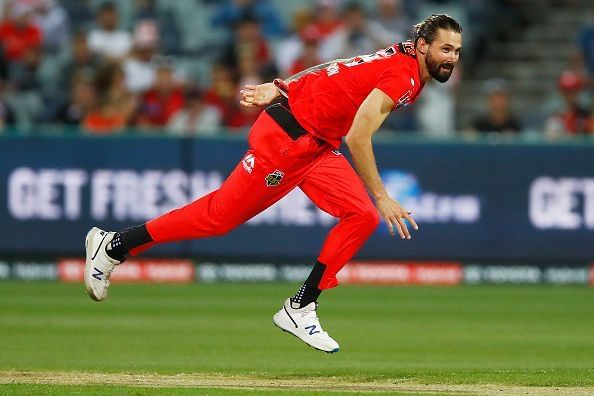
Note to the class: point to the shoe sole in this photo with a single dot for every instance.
(299, 338)
(89, 253)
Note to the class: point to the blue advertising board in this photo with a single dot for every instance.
(472, 201)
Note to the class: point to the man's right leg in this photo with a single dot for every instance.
(248, 190)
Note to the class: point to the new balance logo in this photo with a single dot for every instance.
(312, 329)
(98, 274)
(248, 163)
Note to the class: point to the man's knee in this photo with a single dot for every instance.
(370, 218)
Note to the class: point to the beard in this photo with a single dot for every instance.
(439, 71)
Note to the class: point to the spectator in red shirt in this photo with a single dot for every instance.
(310, 56)
(18, 34)
(327, 18)
(573, 119)
(159, 103)
(249, 42)
(106, 119)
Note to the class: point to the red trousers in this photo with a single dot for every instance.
(273, 166)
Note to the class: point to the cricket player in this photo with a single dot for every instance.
(294, 143)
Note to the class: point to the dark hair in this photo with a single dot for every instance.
(429, 27)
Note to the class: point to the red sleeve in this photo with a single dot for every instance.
(395, 82)
(36, 36)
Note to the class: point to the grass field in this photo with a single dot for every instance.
(219, 339)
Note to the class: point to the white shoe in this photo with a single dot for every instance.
(99, 265)
(304, 324)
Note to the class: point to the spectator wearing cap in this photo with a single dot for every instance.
(164, 99)
(327, 19)
(573, 119)
(196, 117)
(498, 117)
(19, 34)
(310, 55)
(140, 66)
(290, 48)
(54, 23)
(106, 39)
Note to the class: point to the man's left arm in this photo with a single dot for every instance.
(369, 117)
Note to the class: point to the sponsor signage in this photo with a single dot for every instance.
(133, 270)
(473, 202)
(523, 274)
(401, 273)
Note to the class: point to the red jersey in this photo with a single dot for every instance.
(16, 41)
(325, 101)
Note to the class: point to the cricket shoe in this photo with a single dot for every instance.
(304, 324)
(99, 265)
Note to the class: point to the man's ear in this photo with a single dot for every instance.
(422, 46)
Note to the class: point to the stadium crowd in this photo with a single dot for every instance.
(78, 63)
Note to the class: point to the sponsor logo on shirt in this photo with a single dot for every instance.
(248, 163)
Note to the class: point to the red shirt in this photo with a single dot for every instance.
(158, 108)
(325, 101)
(16, 41)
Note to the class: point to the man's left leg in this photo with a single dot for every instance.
(334, 187)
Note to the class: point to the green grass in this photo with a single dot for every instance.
(508, 335)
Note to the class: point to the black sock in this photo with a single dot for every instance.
(127, 240)
(309, 292)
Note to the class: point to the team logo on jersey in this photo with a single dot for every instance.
(248, 163)
(336, 152)
(274, 178)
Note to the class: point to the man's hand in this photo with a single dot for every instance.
(258, 95)
(394, 216)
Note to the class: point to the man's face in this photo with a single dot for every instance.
(443, 54)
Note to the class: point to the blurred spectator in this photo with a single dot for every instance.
(80, 14)
(249, 43)
(223, 95)
(355, 37)
(54, 23)
(436, 108)
(164, 99)
(139, 68)
(391, 20)
(18, 34)
(165, 22)
(573, 119)
(232, 11)
(82, 102)
(106, 119)
(327, 20)
(81, 65)
(196, 117)
(106, 40)
(310, 55)
(23, 75)
(498, 117)
(291, 47)
(25, 88)
(115, 101)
